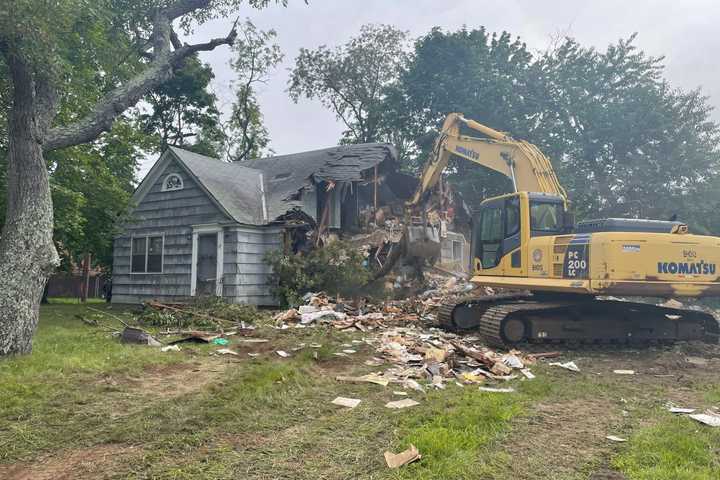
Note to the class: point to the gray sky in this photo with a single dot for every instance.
(685, 32)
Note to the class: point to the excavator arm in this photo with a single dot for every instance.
(522, 162)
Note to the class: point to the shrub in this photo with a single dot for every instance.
(336, 269)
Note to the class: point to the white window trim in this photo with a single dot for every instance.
(164, 183)
(147, 247)
(220, 257)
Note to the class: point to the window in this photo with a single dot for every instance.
(457, 250)
(172, 182)
(146, 254)
(491, 236)
(512, 217)
(546, 217)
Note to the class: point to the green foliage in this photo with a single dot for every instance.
(335, 269)
(215, 307)
(677, 448)
(351, 80)
(183, 108)
(255, 54)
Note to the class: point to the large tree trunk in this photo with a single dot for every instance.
(27, 252)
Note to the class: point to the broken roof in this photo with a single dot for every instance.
(257, 192)
(286, 175)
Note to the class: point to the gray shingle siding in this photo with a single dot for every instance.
(173, 214)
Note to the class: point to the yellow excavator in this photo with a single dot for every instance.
(557, 274)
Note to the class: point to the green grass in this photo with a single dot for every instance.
(272, 418)
(675, 448)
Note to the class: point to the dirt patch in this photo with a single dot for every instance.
(574, 431)
(92, 463)
(168, 381)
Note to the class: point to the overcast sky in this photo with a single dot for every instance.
(685, 32)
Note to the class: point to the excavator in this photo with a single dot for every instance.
(560, 279)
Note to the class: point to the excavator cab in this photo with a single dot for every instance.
(503, 225)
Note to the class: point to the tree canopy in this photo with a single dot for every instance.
(624, 142)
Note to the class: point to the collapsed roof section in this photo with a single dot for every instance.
(263, 191)
(286, 176)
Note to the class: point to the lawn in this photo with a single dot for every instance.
(84, 405)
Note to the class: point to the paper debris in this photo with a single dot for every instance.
(350, 351)
(497, 390)
(369, 378)
(226, 351)
(413, 385)
(708, 418)
(396, 460)
(404, 403)
(613, 438)
(512, 361)
(527, 373)
(346, 402)
(624, 372)
(680, 410)
(251, 354)
(170, 348)
(400, 393)
(567, 366)
(283, 353)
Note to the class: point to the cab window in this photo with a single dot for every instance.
(512, 217)
(491, 236)
(545, 217)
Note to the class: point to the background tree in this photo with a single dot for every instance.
(484, 76)
(255, 54)
(183, 108)
(625, 142)
(353, 80)
(73, 67)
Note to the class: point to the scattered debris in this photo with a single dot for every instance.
(346, 402)
(226, 351)
(400, 393)
(253, 340)
(567, 366)
(404, 403)
(283, 353)
(673, 409)
(708, 418)
(527, 373)
(397, 460)
(369, 378)
(251, 354)
(697, 361)
(220, 341)
(497, 390)
(624, 372)
(139, 336)
(170, 348)
(614, 438)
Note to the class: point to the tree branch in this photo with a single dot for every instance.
(102, 116)
(183, 7)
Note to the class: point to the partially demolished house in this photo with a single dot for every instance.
(201, 226)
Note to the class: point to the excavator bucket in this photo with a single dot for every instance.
(422, 242)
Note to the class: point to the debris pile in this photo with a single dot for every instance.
(364, 316)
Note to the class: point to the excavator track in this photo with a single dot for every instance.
(514, 319)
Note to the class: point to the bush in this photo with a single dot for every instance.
(215, 307)
(336, 269)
